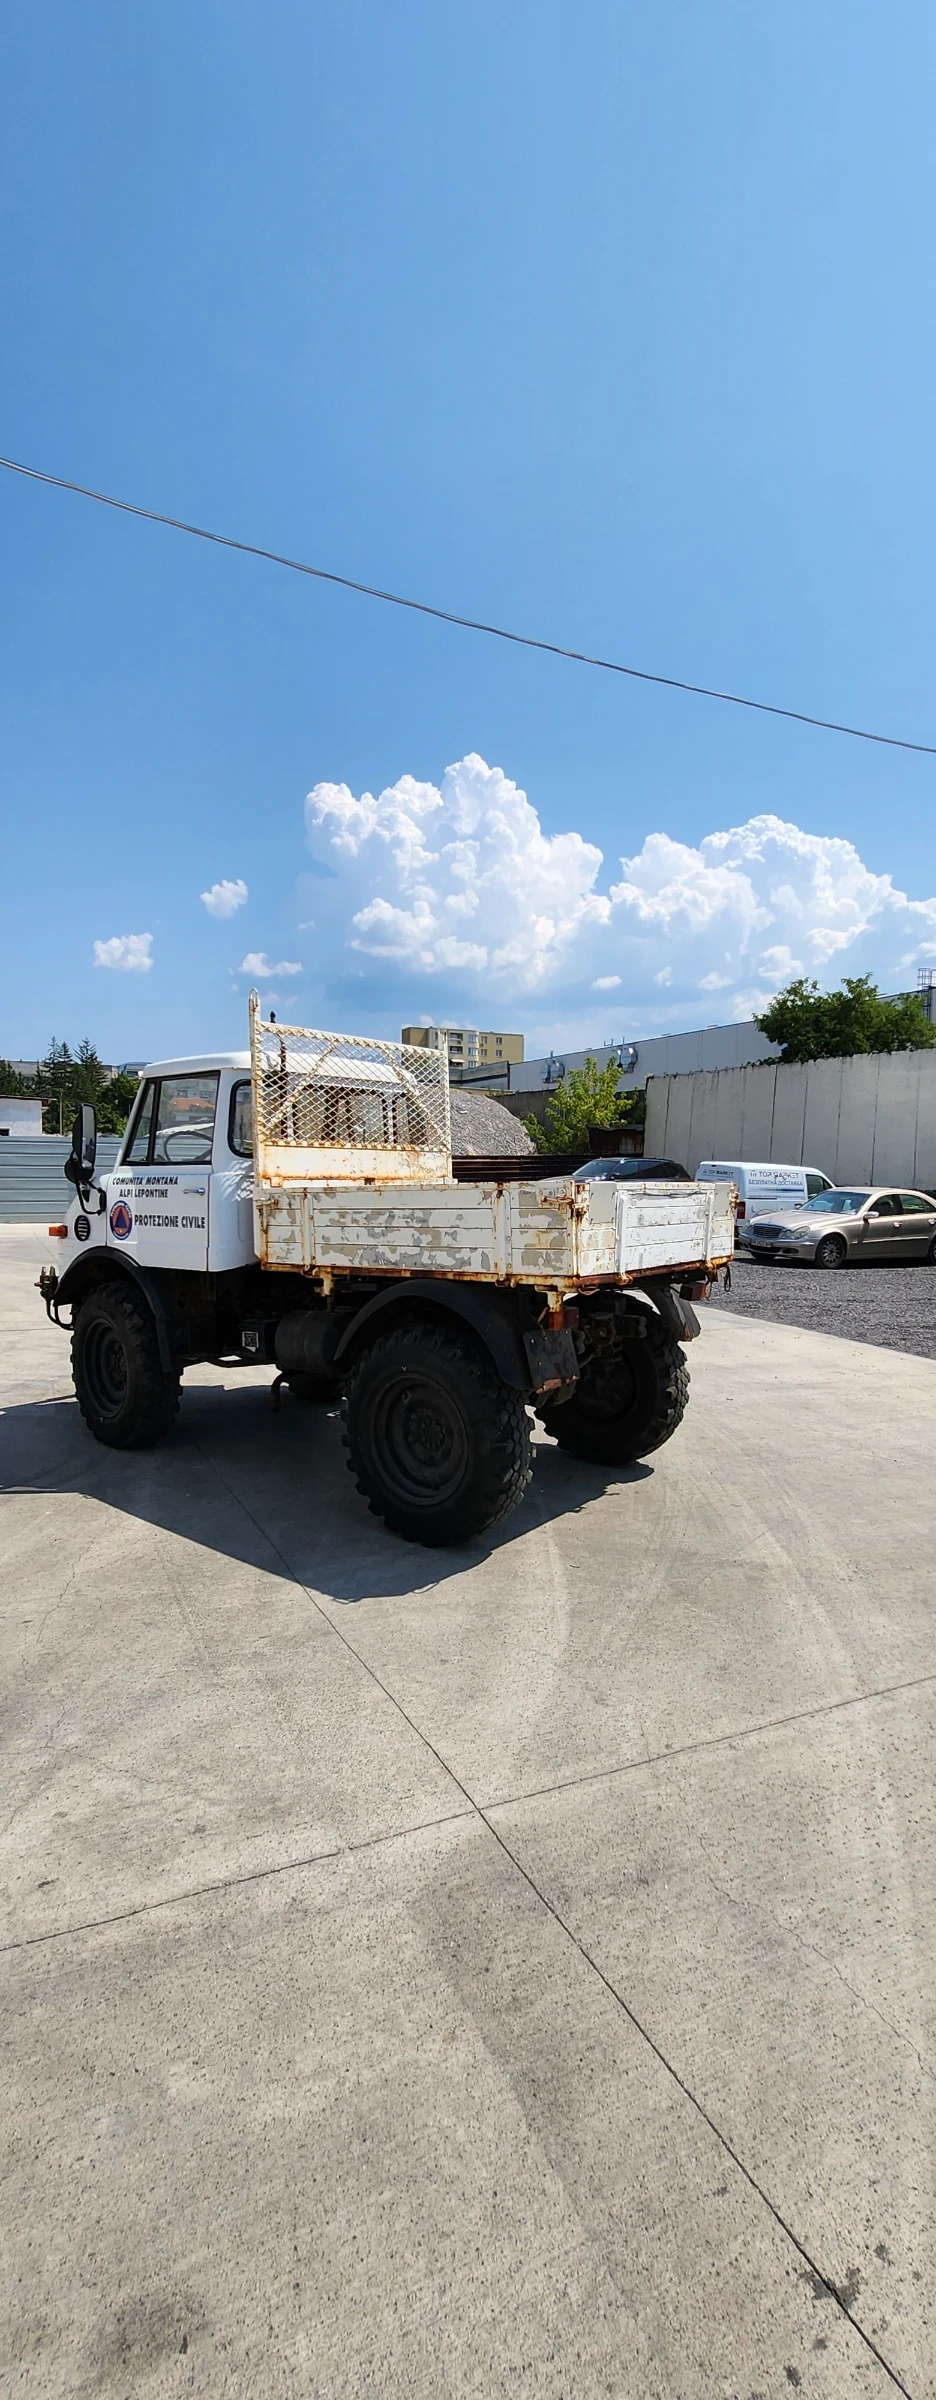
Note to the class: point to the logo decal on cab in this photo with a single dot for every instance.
(121, 1221)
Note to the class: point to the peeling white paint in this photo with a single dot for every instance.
(559, 1236)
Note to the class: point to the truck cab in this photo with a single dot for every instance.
(180, 1194)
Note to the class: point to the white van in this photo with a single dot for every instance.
(763, 1187)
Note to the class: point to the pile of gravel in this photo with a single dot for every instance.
(481, 1128)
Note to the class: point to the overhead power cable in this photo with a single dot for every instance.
(448, 616)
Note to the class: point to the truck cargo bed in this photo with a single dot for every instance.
(353, 1176)
(557, 1234)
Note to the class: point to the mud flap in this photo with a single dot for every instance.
(553, 1359)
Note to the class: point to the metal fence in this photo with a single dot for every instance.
(33, 1189)
(336, 1105)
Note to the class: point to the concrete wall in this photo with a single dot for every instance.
(33, 1190)
(526, 1104)
(862, 1120)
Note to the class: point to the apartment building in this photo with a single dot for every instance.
(468, 1049)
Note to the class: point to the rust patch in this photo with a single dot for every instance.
(570, 1284)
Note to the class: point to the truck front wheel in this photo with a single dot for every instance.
(624, 1405)
(437, 1442)
(124, 1393)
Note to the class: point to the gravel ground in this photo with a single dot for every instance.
(894, 1307)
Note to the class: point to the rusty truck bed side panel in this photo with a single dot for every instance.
(516, 1233)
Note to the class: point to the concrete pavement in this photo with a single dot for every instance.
(471, 1972)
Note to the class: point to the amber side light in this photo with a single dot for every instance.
(61, 1231)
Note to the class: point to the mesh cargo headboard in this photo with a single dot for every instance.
(337, 1107)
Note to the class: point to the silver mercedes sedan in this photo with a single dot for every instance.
(843, 1228)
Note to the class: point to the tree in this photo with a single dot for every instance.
(115, 1103)
(53, 1085)
(809, 1023)
(585, 1097)
(64, 1079)
(88, 1077)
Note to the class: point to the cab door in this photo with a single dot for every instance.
(158, 1198)
(231, 1232)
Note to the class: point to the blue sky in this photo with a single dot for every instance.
(616, 324)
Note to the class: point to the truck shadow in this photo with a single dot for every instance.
(271, 1492)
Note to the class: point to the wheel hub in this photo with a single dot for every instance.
(106, 1368)
(421, 1440)
(606, 1389)
(428, 1436)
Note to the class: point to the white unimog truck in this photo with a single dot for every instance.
(296, 1205)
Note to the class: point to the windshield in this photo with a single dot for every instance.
(838, 1204)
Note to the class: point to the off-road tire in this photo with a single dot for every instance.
(625, 1406)
(437, 1443)
(832, 1251)
(125, 1395)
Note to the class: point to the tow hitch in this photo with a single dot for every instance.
(47, 1284)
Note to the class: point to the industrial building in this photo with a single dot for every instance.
(20, 1116)
(658, 1054)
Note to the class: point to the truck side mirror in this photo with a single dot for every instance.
(79, 1165)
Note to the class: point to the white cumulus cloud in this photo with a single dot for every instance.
(131, 953)
(459, 878)
(223, 898)
(458, 882)
(257, 964)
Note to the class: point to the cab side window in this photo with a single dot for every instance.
(138, 1151)
(887, 1204)
(817, 1183)
(240, 1121)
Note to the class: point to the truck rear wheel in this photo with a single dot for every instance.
(125, 1395)
(437, 1442)
(624, 1405)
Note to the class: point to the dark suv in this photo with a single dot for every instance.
(632, 1170)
